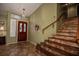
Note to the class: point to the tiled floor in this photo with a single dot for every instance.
(19, 49)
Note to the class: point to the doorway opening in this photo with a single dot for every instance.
(22, 31)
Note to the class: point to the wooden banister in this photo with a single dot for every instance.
(53, 22)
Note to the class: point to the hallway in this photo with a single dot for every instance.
(18, 49)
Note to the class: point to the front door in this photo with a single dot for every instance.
(22, 31)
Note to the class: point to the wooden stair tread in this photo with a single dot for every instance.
(64, 48)
(59, 50)
(64, 38)
(45, 51)
(70, 43)
(40, 53)
(53, 51)
(65, 35)
(75, 48)
(66, 31)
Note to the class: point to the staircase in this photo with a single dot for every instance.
(63, 43)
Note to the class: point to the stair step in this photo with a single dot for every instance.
(58, 50)
(69, 25)
(65, 38)
(71, 22)
(74, 20)
(66, 49)
(45, 51)
(53, 38)
(66, 34)
(67, 31)
(52, 51)
(39, 53)
(64, 42)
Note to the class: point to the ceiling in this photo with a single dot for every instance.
(17, 8)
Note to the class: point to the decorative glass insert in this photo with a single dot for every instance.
(24, 27)
(20, 27)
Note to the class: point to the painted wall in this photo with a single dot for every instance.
(43, 16)
(2, 25)
(9, 40)
(72, 11)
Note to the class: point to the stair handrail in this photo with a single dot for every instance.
(52, 22)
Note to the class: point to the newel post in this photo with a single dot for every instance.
(78, 31)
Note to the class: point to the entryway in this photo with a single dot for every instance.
(22, 31)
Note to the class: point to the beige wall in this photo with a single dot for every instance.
(45, 15)
(72, 11)
(9, 40)
(3, 20)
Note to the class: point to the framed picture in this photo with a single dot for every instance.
(36, 27)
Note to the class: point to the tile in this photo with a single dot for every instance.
(18, 49)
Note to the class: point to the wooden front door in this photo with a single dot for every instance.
(22, 31)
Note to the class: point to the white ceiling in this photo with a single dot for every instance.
(17, 8)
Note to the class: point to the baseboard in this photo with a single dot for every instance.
(11, 43)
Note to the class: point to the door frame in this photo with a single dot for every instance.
(17, 29)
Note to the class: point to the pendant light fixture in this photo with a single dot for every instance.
(23, 13)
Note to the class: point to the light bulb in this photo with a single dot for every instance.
(1, 28)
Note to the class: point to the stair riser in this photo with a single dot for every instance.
(46, 51)
(43, 50)
(67, 31)
(64, 38)
(73, 21)
(64, 42)
(66, 34)
(51, 51)
(58, 50)
(64, 48)
(69, 28)
(67, 40)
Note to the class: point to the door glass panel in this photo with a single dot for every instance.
(24, 27)
(20, 29)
